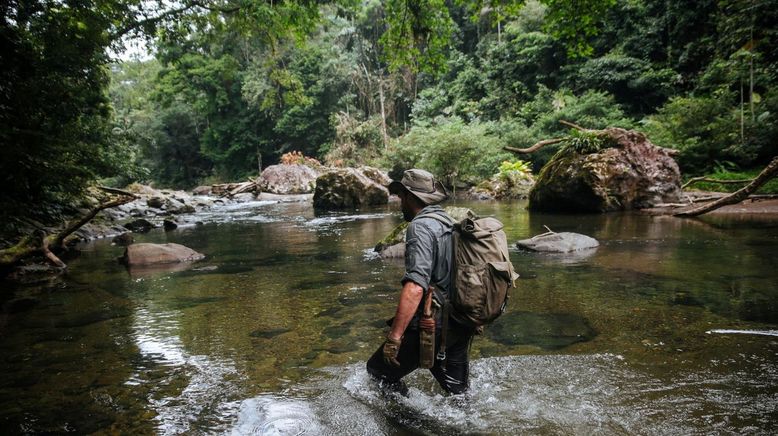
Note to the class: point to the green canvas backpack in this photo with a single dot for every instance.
(483, 272)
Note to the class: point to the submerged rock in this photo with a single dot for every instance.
(563, 242)
(177, 206)
(124, 239)
(244, 197)
(288, 179)
(169, 225)
(550, 331)
(139, 226)
(155, 202)
(345, 188)
(156, 254)
(625, 172)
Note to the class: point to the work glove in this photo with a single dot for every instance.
(391, 348)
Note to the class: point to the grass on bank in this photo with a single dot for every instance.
(770, 187)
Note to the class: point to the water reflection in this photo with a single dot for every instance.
(184, 389)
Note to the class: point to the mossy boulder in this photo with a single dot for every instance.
(624, 171)
(503, 187)
(393, 245)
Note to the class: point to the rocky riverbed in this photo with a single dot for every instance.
(170, 209)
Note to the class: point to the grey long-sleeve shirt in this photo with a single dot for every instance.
(428, 250)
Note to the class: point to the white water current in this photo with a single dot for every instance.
(558, 394)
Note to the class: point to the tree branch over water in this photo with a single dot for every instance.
(41, 244)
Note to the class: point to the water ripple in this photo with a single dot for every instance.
(272, 415)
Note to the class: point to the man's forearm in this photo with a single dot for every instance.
(410, 297)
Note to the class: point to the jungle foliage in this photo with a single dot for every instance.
(232, 85)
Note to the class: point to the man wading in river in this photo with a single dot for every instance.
(428, 268)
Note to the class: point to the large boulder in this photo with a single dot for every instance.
(156, 254)
(563, 242)
(625, 172)
(288, 179)
(345, 188)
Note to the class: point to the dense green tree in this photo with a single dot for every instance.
(55, 118)
(634, 83)
(57, 132)
(515, 69)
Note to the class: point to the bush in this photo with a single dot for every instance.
(722, 172)
(511, 169)
(452, 150)
(513, 180)
(298, 158)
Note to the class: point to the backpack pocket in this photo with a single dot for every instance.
(482, 290)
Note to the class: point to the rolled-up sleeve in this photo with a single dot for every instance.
(419, 255)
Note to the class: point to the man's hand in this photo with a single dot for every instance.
(391, 348)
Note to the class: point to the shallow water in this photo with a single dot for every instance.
(669, 327)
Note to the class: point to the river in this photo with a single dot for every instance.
(669, 327)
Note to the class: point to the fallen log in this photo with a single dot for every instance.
(41, 244)
(251, 185)
(231, 189)
(736, 197)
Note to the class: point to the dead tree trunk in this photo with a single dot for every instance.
(41, 244)
(736, 197)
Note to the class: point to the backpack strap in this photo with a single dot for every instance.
(446, 304)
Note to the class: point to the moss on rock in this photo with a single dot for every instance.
(622, 171)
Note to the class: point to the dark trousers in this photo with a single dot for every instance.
(452, 374)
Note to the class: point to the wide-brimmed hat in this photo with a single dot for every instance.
(422, 184)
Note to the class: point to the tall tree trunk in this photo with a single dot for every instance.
(383, 110)
(742, 114)
(751, 57)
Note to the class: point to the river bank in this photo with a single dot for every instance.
(766, 206)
